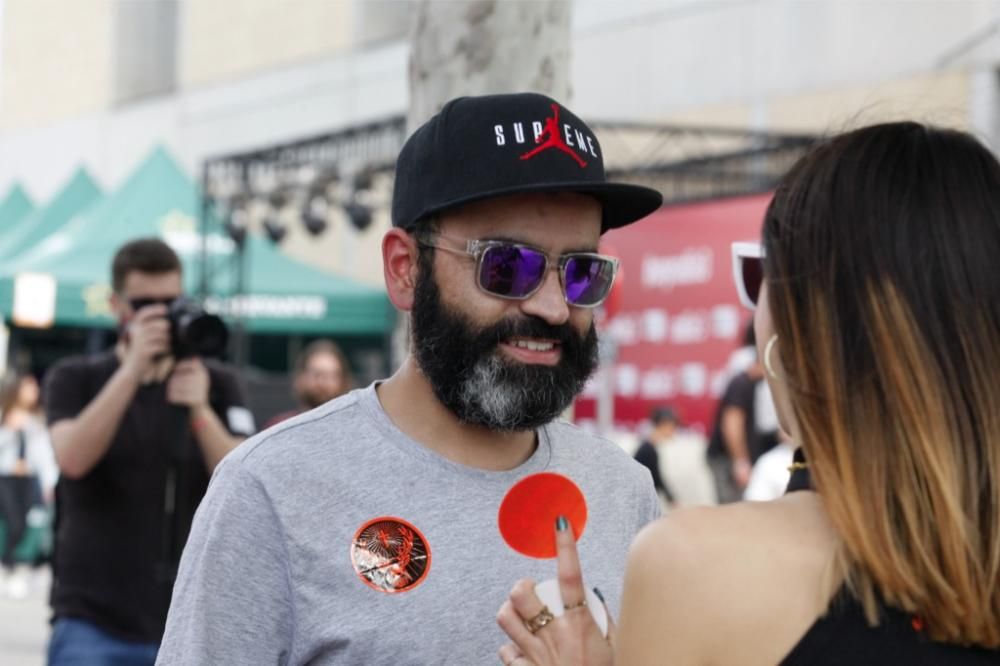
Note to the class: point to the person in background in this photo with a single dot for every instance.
(765, 419)
(137, 433)
(743, 356)
(733, 447)
(664, 421)
(25, 451)
(770, 474)
(322, 373)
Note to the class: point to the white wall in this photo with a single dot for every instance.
(657, 59)
(766, 63)
(56, 60)
(279, 105)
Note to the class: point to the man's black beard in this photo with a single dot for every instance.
(471, 376)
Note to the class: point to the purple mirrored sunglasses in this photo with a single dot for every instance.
(516, 270)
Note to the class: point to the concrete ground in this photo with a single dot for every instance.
(24, 623)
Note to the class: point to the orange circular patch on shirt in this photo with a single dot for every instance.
(528, 513)
(390, 555)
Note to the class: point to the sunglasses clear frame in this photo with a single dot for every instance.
(477, 250)
(743, 252)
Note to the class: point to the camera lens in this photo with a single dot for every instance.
(195, 332)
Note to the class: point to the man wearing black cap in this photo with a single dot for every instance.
(384, 525)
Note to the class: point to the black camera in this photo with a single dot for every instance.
(194, 332)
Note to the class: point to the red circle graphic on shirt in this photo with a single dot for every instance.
(390, 555)
(528, 513)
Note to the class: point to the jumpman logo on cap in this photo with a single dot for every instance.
(553, 139)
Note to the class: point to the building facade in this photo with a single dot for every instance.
(99, 83)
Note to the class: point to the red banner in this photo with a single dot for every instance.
(676, 319)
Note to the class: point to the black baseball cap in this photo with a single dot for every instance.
(479, 148)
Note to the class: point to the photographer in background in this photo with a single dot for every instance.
(137, 431)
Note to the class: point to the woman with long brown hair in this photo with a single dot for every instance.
(878, 320)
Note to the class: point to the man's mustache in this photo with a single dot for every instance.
(529, 327)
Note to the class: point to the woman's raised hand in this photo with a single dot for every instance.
(538, 638)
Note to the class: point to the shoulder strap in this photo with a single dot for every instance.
(799, 479)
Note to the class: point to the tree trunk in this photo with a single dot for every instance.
(478, 47)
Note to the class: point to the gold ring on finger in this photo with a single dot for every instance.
(542, 618)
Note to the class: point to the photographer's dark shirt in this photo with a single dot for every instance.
(115, 549)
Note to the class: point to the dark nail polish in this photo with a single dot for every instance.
(561, 523)
(599, 595)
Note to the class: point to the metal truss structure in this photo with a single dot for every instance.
(686, 163)
(690, 163)
(354, 150)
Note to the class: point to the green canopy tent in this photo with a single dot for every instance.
(281, 295)
(16, 205)
(75, 196)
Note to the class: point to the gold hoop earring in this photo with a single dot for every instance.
(767, 356)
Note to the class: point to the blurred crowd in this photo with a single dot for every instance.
(745, 455)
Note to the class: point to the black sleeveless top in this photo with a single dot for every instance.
(842, 636)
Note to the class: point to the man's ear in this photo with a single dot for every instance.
(399, 264)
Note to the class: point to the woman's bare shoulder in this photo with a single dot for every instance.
(735, 570)
(796, 523)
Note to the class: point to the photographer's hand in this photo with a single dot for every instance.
(148, 339)
(188, 384)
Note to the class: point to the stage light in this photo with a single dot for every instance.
(359, 215)
(358, 207)
(238, 220)
(275, 230)
(315, 214)
(364, 180)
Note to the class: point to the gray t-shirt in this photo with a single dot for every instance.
(333, 538)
